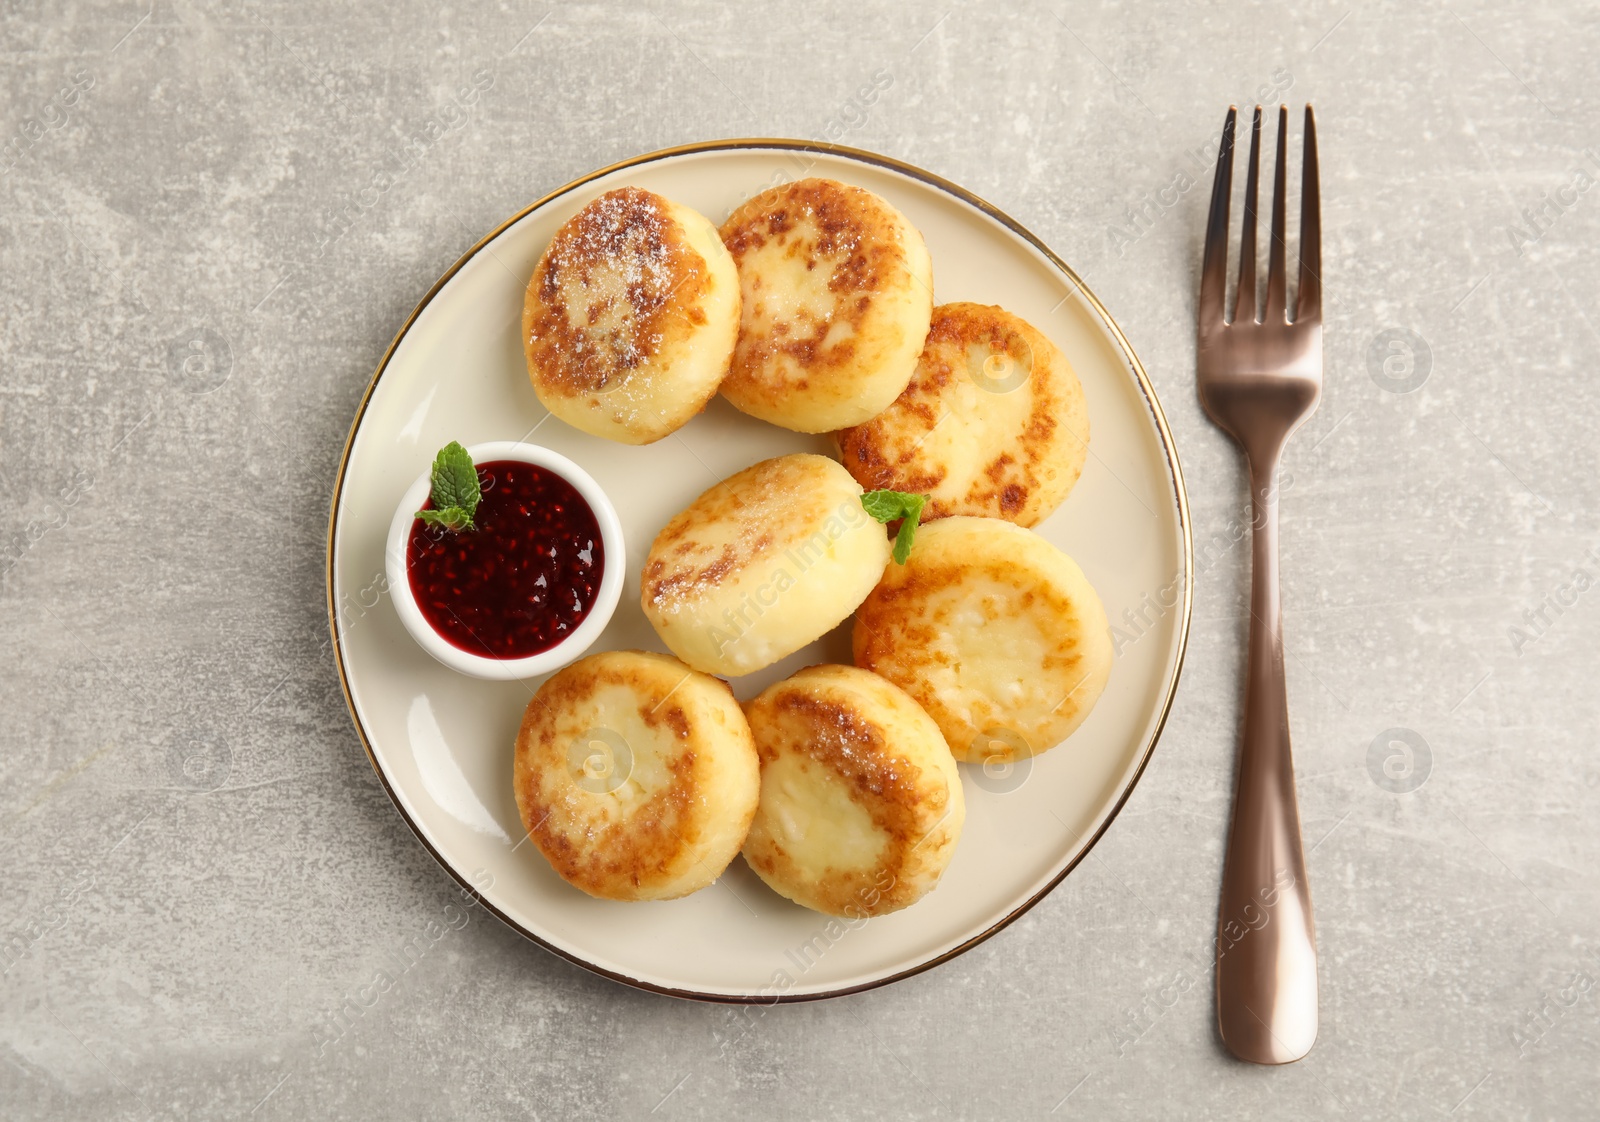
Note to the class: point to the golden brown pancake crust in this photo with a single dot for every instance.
(603, 296)
(631, 851)
(679, 566)
(853, 232)
(971, 588)
(1024, 476)
(907, 807)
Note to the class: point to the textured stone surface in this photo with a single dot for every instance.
(200, 864)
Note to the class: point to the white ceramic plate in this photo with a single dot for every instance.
(442, 743)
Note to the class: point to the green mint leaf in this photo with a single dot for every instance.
(454, 491)
(455, 480)
(903, 539)
(886, 506)
(452, 518)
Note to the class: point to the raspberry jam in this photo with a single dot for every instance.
(524, 579)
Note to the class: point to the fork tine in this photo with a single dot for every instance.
(1276, 279)
(1245, 307)
(1214, 267)
(1308, 304)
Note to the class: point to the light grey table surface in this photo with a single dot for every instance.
(200, 864)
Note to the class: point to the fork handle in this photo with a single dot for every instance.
(1266, 949)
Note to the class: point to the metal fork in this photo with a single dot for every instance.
(1259, 378)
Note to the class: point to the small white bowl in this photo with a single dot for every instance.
(570, 648)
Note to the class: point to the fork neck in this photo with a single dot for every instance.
(1261, 435)
(1263, 459)
(1264, 591)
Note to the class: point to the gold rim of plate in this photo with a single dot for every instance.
(1180, 495)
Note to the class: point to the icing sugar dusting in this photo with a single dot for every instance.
(607, 278)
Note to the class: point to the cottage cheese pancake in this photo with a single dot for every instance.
(837, 288)
(630, 318)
